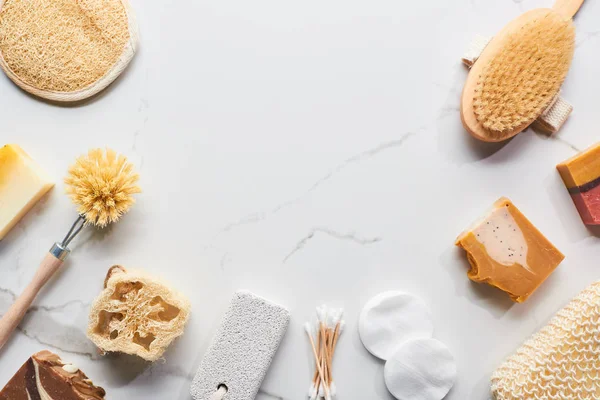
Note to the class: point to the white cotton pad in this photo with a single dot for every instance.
(421, 369)
(242, 349)
(391, 318)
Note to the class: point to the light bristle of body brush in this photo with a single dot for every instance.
(525, 76)
(102, 185)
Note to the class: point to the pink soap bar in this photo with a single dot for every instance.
(581, 175)
(588, 205)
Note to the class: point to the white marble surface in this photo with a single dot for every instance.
(312, 152)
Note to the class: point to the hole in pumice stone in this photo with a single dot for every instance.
(223, 389)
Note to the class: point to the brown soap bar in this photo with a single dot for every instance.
(505, 250)
(45, 376)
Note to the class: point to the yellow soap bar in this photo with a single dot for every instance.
(22, 184)
(505, 250)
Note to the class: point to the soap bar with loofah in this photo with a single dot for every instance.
(581, 175)
(136, 314)
(559, 362)
(505, 250)
(22, 184)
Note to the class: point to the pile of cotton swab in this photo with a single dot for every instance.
(324, 335)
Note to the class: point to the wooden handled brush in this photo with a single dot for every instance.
(102, 185)
(519, 73)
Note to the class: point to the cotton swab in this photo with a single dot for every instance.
(314, 349)
(327, 330)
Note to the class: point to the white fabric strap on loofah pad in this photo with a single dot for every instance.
(242, 350)
(557, 113)
(561, 361)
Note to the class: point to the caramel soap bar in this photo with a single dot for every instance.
(22, 184)
(581, 175)
(45, 377)
(505, 250)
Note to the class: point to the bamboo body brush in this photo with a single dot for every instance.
(102, 185)
(517, 77)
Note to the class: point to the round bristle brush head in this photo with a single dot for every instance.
(102, 184)
(523, 78)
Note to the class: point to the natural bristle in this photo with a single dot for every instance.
(521, 80)
(102, 185)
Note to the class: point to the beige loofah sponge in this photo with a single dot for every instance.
(136, 314)
(65, 50)
(561, 361)
(526, 74)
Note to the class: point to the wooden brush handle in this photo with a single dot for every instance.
(568, 8)
(9, 322)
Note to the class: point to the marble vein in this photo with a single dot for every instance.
(178, 372)
(9, 292)
(558, 139)
(585, 37)
(270, 395)
(143, 108)
(170, 370)
(39, 326)
(336, 235)
(59, 307)
(380, 148)
(37, 339)
(224, 260)
(34, 308)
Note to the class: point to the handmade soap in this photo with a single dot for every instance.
(505, 250)
(581, 175)
(22, 184)
(45, 376)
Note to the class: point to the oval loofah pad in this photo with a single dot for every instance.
(136, 314)
(66, 50)
(526, 73)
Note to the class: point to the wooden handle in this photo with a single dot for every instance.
(568, 8)
(9, 322)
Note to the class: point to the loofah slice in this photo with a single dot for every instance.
(136, 314)
(525, 75)
(561, 361)
(66, 50)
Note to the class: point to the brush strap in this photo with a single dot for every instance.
(552, 118)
